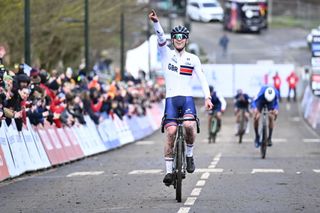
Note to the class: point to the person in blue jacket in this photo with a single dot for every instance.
(268, 96)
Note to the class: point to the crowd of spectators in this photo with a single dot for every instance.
(62, 99)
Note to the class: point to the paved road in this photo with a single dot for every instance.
(282, 45)
(230, 177)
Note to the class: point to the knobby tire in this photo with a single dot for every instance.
(179, 169)
(263, 147)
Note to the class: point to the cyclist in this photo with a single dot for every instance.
(219, 106)
(268, 96)
(179, 67)
(241, 101)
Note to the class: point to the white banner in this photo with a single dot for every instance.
(227, 78)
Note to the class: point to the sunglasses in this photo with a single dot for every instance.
(179, 36)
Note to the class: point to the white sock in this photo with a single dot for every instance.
(169, 164)
(189, 150)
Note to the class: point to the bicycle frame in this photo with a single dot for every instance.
(179, 158)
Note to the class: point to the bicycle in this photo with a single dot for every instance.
(213, 130)
(264, 133)
(242, 124)
(179, 156)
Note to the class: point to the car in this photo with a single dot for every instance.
(204, 10)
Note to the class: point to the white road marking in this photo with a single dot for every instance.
(201, 183)
(247, 140)
(190, 201)
(274, 140)
(205, 176)
(279, 140)
(147, 171)
(209, 170)
(196, 192)
(212, 166)
(184, 210)
(145, 143)
(215, 161)
(159, 171)
(267, 171)
(85, 173)
(311, 140)
(296, 119)
(316, 170)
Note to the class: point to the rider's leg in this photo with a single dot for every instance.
(209, 124)
(271, 125)
(168, 148)
(190, 137)
(256, 126)
(256, 122)
(168, 154)
(219, 115)
(237, 113)
(246, 115)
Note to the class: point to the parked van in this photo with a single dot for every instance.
(245, 15)
(204, 10)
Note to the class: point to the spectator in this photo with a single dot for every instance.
(87, 106)
(292, 80)
(223, 42)
(277, 83)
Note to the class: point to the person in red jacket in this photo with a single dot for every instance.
(292, 80)
(277, 83)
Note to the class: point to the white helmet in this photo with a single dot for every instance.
(269, 94)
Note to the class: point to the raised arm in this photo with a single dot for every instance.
(157, 28)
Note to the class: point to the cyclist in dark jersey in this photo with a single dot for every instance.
(219, 106)
(241, 101)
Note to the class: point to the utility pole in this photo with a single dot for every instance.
(270, 6)
(122, 44)
(86, 35)
(27, 48)
(149, 51)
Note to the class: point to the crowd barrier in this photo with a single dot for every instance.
(311, 109)
(36, 148)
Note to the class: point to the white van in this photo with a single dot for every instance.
(204, 10)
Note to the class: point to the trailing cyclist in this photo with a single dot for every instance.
(179, 67)
(219, 106)
(268, 96)
(241, 102)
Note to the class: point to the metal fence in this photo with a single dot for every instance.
(307, 12)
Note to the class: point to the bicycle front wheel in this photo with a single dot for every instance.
(241, 126)
(179, 158)
(263, 147)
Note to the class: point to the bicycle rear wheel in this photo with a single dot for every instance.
(263, 147)
(213, 130)
(179, 169)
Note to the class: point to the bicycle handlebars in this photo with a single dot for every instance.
(180, 121)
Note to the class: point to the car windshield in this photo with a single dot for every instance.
(210, 5)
